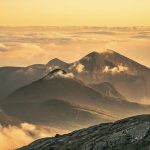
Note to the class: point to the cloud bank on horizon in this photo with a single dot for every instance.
(29, 45)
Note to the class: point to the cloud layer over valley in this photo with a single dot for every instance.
(13, 137)
(29, 45)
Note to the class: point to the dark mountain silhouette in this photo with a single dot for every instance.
(27, 102)
(56, 113)
(12, 78)
(56, 63)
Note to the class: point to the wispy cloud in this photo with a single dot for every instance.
(115, 70)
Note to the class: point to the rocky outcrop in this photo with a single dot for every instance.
(128, 134)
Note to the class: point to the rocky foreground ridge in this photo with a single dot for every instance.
(127, 134)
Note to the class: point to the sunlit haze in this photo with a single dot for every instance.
(75, 12)
(30, 45)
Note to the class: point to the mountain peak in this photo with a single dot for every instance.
(96, 54)
(92, 54)
(56, 61)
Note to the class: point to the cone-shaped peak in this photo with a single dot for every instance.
(93, 54)
(56, 61)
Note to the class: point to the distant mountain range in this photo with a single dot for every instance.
(127, 134)
(129, 77)
(100, 87)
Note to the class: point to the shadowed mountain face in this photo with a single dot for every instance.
(7, 120)
(128, 134)
(59, 100)
(12, 78)
(56, 113)
(131, 78)
(76, 98)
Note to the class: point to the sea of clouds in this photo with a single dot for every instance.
(22, 46)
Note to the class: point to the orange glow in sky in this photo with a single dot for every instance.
(75, 12)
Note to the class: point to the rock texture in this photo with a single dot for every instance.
(128, 134)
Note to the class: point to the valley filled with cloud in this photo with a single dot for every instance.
(23, 134)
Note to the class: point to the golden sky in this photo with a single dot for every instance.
(75, 12)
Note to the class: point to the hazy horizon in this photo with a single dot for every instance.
(23, 46)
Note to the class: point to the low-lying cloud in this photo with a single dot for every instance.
(61, 74)
(115, 70)
(13, 137)
(78, 67)
(29, 45)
